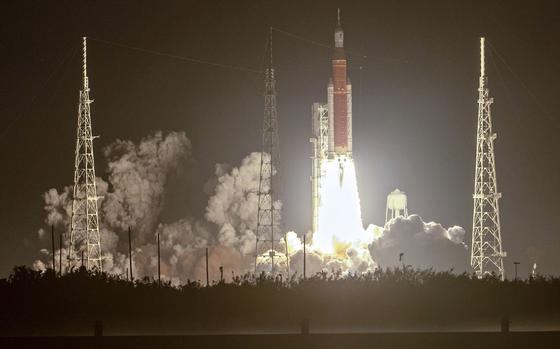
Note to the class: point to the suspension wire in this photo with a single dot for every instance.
(331, 47)
(181, 58)
(537, 102)
(511, 102)
(301, 38)
(510, 99)
(186, 59)
(70, 54)
(316, 43)
(261, 66)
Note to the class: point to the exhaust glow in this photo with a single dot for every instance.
(339, 224)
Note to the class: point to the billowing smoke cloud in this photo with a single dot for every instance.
(135, 194)
(425, 245)
(352, 260)
(233, 206)
(138, 174)
(182, 245)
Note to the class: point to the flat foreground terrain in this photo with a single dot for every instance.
(292, 341)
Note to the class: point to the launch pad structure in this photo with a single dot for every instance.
(320, 151)
(486, 250)
(332, 144)
(84, 233)
(268, 215)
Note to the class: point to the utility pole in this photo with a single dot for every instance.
(130, 253)
(287, 257)
(486, 250)
(68, 251)
(304, 256)
(84, 233)
(516, 264)
(53, 253)
(60, 254)
(268, 216)
(158, 260)
(207, 278)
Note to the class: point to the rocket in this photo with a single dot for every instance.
(339, 100)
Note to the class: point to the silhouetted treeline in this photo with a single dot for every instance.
(42, 303)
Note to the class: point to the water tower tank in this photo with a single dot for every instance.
(396, 205)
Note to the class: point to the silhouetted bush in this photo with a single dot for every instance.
(42, 302)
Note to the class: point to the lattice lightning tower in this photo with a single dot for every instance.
(268, 216)
(84, 236)
(486, 251)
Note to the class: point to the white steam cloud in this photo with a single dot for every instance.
(138, 175)
(233, 206)
(135, 195)
(425, 245)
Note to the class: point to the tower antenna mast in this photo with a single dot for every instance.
(268, 216)
(338, 17)
(84, 234)
(486, 250)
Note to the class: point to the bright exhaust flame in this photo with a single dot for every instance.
(340, 242)
(339, 224)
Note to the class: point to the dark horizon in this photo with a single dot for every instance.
(414, 104)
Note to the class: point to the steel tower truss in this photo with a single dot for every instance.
(320, 151)
(85, 242)
(486, 250)
(268, 216)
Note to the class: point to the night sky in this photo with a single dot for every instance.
(414, 103)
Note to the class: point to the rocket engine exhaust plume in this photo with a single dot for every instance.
(340, 220)
(339, 235)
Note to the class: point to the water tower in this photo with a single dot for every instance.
(396, 205)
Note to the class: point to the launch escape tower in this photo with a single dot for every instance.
(268, 216)
(486, 250)
(84, 234)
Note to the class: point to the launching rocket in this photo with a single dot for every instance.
(331, 140)
(339, 100)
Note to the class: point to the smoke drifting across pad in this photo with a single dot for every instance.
(424, 244)
(135, 193)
